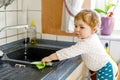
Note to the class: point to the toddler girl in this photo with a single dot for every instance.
(89, 47)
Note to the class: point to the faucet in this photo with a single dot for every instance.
(14, 27)
(11, 27)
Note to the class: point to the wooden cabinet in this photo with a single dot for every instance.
(51, 17)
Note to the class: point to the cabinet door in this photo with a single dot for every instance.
(115, 50)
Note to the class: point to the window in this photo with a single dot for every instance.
(101, 3)
(117, 15)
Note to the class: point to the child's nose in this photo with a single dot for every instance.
(77, 29)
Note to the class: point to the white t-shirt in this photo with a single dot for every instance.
(91, 50)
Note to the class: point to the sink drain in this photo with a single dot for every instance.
(20, 66)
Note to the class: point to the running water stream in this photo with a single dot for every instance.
(26, 43)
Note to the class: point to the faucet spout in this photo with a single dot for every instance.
(14, 27)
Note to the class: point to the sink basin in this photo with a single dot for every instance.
(26, 71)
(32, 54)
(22, 56)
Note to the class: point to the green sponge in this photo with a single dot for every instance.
(39, 65)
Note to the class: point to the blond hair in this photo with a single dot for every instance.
(90, 17)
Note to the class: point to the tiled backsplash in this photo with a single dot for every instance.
(19, 12)
(58, 38)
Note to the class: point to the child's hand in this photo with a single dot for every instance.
(50, 58)
(46, 59)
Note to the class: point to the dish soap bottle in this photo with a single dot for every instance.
(32, 33)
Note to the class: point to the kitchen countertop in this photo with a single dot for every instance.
(61, 72)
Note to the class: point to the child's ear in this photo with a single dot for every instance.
(94, 30)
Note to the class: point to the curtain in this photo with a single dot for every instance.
(70, 9)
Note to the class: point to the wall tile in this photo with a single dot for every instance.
(2, 34)
(21, 36)
(11, 32)
(16, 13)
(11, 18)
(34, 5)
(48, 36)
(22, 17)
(2, 24)
(11, 39)
(39, 36)
(21, 30)
(2, 19)
(25, 4)
(19, 2)
(2, 41)
(65, 38)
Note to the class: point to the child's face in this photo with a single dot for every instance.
(82, 30)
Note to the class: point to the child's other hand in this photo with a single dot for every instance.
(46, 59)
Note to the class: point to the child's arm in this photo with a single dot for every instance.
(50, 58)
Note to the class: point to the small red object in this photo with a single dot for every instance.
(110, 14)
